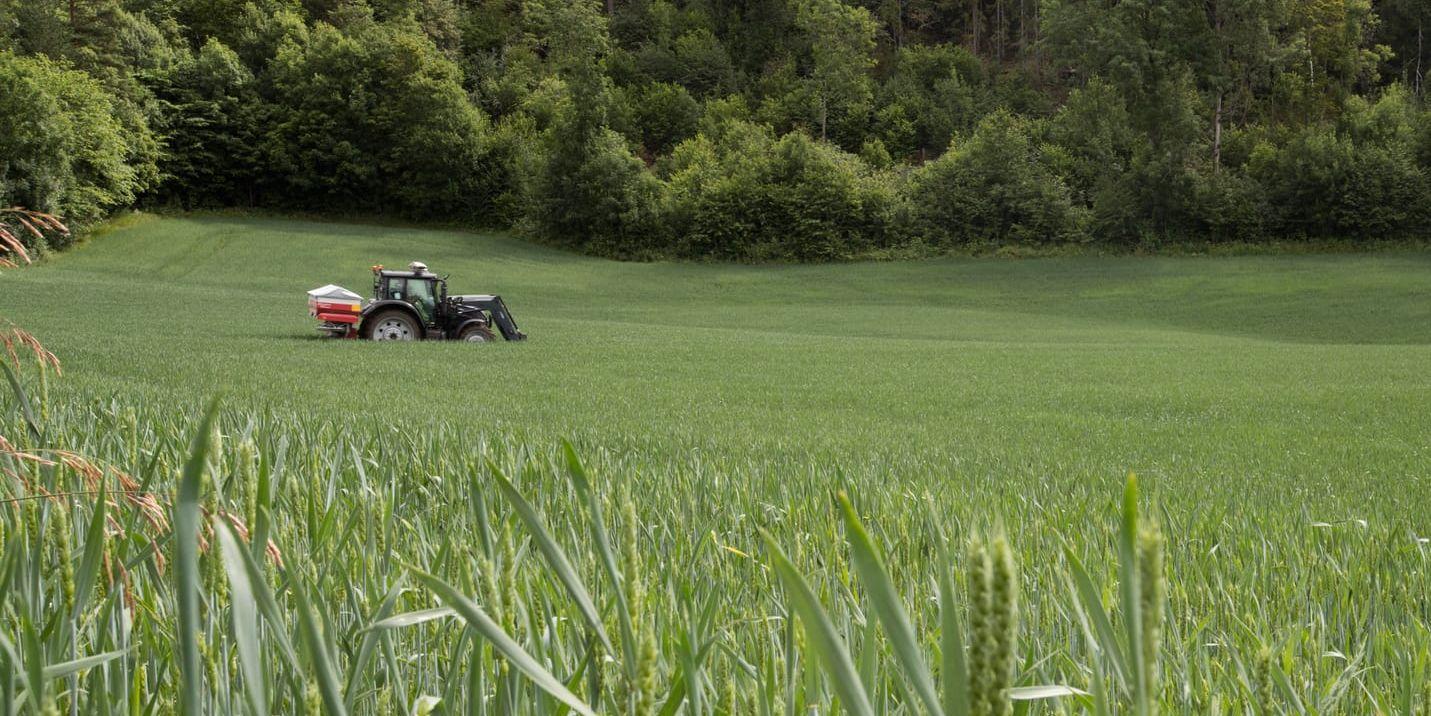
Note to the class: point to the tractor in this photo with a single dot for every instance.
(411, 305)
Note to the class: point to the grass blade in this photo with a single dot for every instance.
(1052, 691)
(93, 551)
(370, 642)
(888, 607)
(407, 619)
(827, 642)
(582, 482)
(186, 566)
(488, 629)
(328, 686)
(954, 673)
(24, 399)
(245, 618)
(554, 555)
(61, 670)
(1091, 606)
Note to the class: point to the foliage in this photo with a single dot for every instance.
(1359, 178)
(1145, 114)
(666, 115)
(994, 186)
(594, 195)
(62, 150)
(752, 197)
(374, 116)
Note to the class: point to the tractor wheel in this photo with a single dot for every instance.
(477, 334)
(392, 325)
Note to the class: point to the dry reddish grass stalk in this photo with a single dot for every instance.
(38, 223)
(16, 340)
(152, 507)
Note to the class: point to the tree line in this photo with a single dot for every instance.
(736, 129)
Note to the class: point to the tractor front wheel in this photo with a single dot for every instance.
(392, 325)
(477, 334)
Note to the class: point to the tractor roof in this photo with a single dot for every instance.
(385, 273)
(416, 269)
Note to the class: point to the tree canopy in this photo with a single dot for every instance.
(735, 129)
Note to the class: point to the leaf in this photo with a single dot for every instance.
(93, 551)
(1283, 685)
(25, 410)
(328, 686)
(370, 641)
(1049, 691)
(407, 619)
(268, 606)
(61, 670)
(245, 617)
(508, 647)
(888, 607)
(582, 482)
(554, 555)
(954, 673)
(186, 566)
(826, 641)
(1091, 606)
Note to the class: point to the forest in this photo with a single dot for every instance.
(745, 130)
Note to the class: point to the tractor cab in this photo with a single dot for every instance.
(419, 288)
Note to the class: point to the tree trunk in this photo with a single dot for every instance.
(1000, 31)
(610, 6)
(1217, 134)
(974, 25)
(1419, 53)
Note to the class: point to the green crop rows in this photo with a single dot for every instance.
(874, 488)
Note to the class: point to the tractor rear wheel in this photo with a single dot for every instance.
(477, 334)
(392, 325)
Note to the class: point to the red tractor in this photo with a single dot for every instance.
(411, 305)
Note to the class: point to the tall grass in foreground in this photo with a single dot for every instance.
(252, 562)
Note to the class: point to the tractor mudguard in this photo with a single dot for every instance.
(376, 307)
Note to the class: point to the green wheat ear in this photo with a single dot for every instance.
(993, 625)
(1153, 592)
(1265, 703)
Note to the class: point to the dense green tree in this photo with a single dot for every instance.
(62, 150)
(373, 117)
(1357, 178)
(842, 40)
(749, 196)
(642, 127)
(993, 187)
(212, 119)
(666, 114)
(930, 96)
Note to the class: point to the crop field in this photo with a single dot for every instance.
(870, 488)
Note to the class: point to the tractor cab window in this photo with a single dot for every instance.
(396, 290)
(420, 294)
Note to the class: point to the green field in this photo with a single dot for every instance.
(1272, 407)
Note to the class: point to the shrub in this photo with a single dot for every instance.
(751, 197)
(593, 194)
(665, 115)
(994, 187)
(1357, 179)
